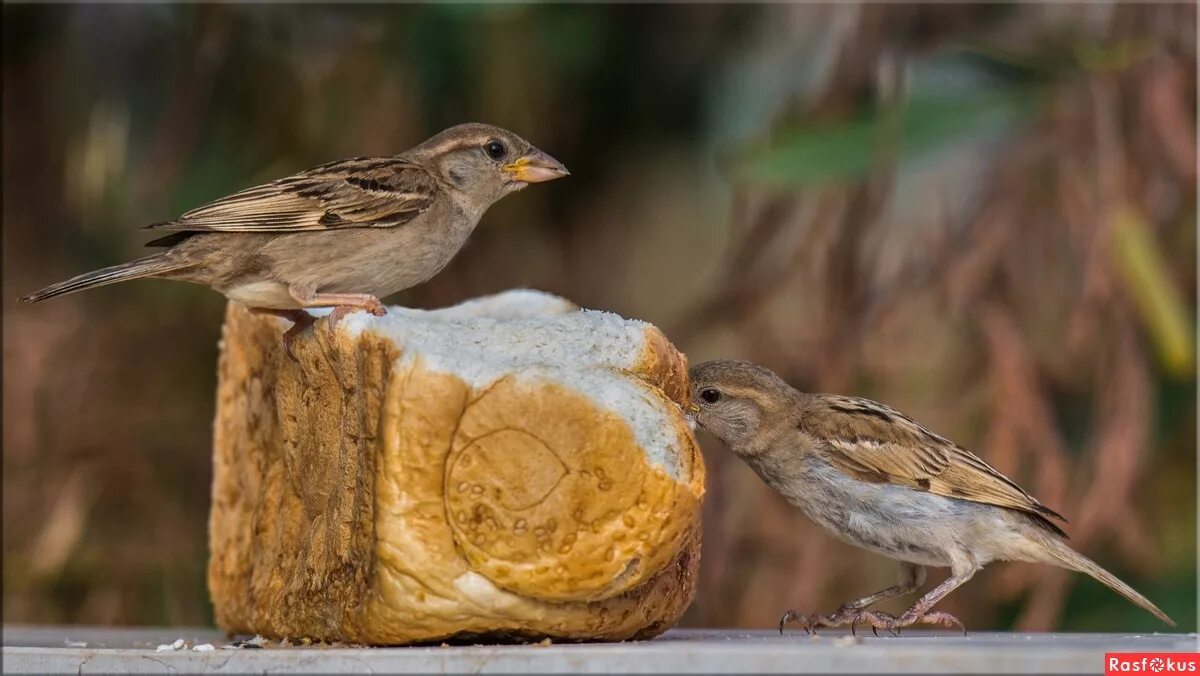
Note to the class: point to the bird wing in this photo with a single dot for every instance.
(357, 193)
(877, 443)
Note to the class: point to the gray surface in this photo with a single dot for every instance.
(45, 650)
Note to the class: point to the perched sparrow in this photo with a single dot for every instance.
(343, 234)
(877, 479)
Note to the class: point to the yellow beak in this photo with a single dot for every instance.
(535, 167)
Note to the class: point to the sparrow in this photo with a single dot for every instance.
(875, 478)
(341, 235)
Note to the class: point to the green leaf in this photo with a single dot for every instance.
(1144, 271)
(1121, 56)
(813, 154)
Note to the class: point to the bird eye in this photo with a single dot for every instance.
(495, 150)
(710, 395)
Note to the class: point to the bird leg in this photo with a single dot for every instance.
(301, 320)
(342, 303)
(911, 578)
(920, 611)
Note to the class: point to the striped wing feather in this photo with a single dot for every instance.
(876, 443)
(358, 193)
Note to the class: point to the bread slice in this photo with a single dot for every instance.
(510, 467)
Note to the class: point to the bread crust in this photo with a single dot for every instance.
(360, 495)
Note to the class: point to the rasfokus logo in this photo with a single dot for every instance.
(1151, 663)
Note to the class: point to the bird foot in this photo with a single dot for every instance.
(809, 623)
(303, 320)
(893, 624)
(373, 306)
(300, 319)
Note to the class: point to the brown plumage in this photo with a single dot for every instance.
(343, 234)
(876, 478)
(356, 193)
(877, 443)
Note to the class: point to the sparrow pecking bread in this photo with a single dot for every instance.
(876, 479)
(341, 235)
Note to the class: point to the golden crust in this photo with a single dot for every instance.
(664, 367)
(365, 498)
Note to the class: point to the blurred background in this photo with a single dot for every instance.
(984, 215)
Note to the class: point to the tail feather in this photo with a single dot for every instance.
(1066, 557)
(142, 267)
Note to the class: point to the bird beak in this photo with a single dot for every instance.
(535, 167)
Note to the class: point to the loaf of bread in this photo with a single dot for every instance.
(512, 467)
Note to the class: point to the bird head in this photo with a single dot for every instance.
(739, 402)
(484, 163)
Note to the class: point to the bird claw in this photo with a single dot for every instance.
(945, 619)
(301, 323)
(373, 306)
(287, 348)
(810, 623)
(876, 620)
(336, 316)
(787, 617)
(893, 625)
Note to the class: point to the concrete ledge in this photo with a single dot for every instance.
(94, 650)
